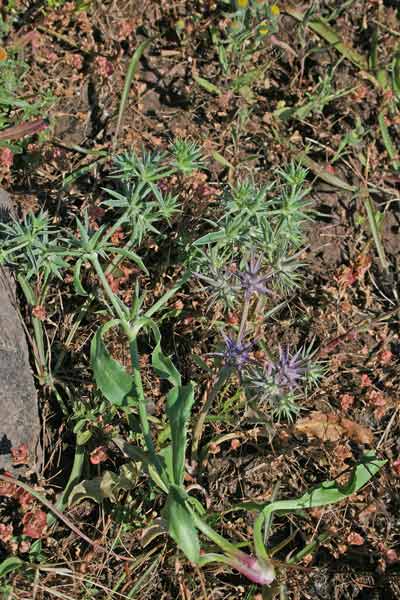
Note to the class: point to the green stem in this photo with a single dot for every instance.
(258, 537)
(103, 280)
(243, 322)
(198, 428)
(212, 535)
(142, 406)
(168, 294)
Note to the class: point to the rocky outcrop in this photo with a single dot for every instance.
(19, 418)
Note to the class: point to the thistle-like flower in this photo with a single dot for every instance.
(289, 370)
(236, 354)
(252, 281)
(276, 381)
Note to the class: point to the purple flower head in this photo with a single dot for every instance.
(252, 280)
(257, 570)
(289, 369)
(236, 354)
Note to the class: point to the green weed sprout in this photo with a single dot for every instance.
(246, 26)
(14, 108)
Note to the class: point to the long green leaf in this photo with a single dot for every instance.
(371, 214)
(179, 405)
(214, 236)
(207, 85)
(127, 86)
(10, 565)
(323, 29)
(320, 172)
(329, 492)
(164, 366)
(387, 140)
(111, 377)
(181, 526)
(396, 75)
(78, 287)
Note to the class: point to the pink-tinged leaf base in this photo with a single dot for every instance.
(256, 570)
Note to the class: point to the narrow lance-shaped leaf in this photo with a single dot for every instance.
(214, 236)
(111, 377)
(79, 289)
(164, 366)
(396, 75)
(181, 526)
(329, 492)
(179, 404)
(207, 85)
(133, 65)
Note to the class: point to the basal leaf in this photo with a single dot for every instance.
(164, 366)
(179, 405)
(9, 565)
(111, 378)
(330, 492)
(181, 526)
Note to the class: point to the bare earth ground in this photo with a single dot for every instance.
(348, 301)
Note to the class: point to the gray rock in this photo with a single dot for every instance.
(19, 417)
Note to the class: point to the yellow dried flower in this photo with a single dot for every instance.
(263, 29)
(3, 54)
(180, 24)
(275, 10)
(242, 4)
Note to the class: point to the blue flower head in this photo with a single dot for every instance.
(252, 281)
(236, 354)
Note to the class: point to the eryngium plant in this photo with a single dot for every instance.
(260, 227)
(266, 222)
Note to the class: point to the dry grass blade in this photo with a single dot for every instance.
(387, 140)
(366, 198)
(323, 174)
(325, 31)
(63, 518)
(127, 86)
